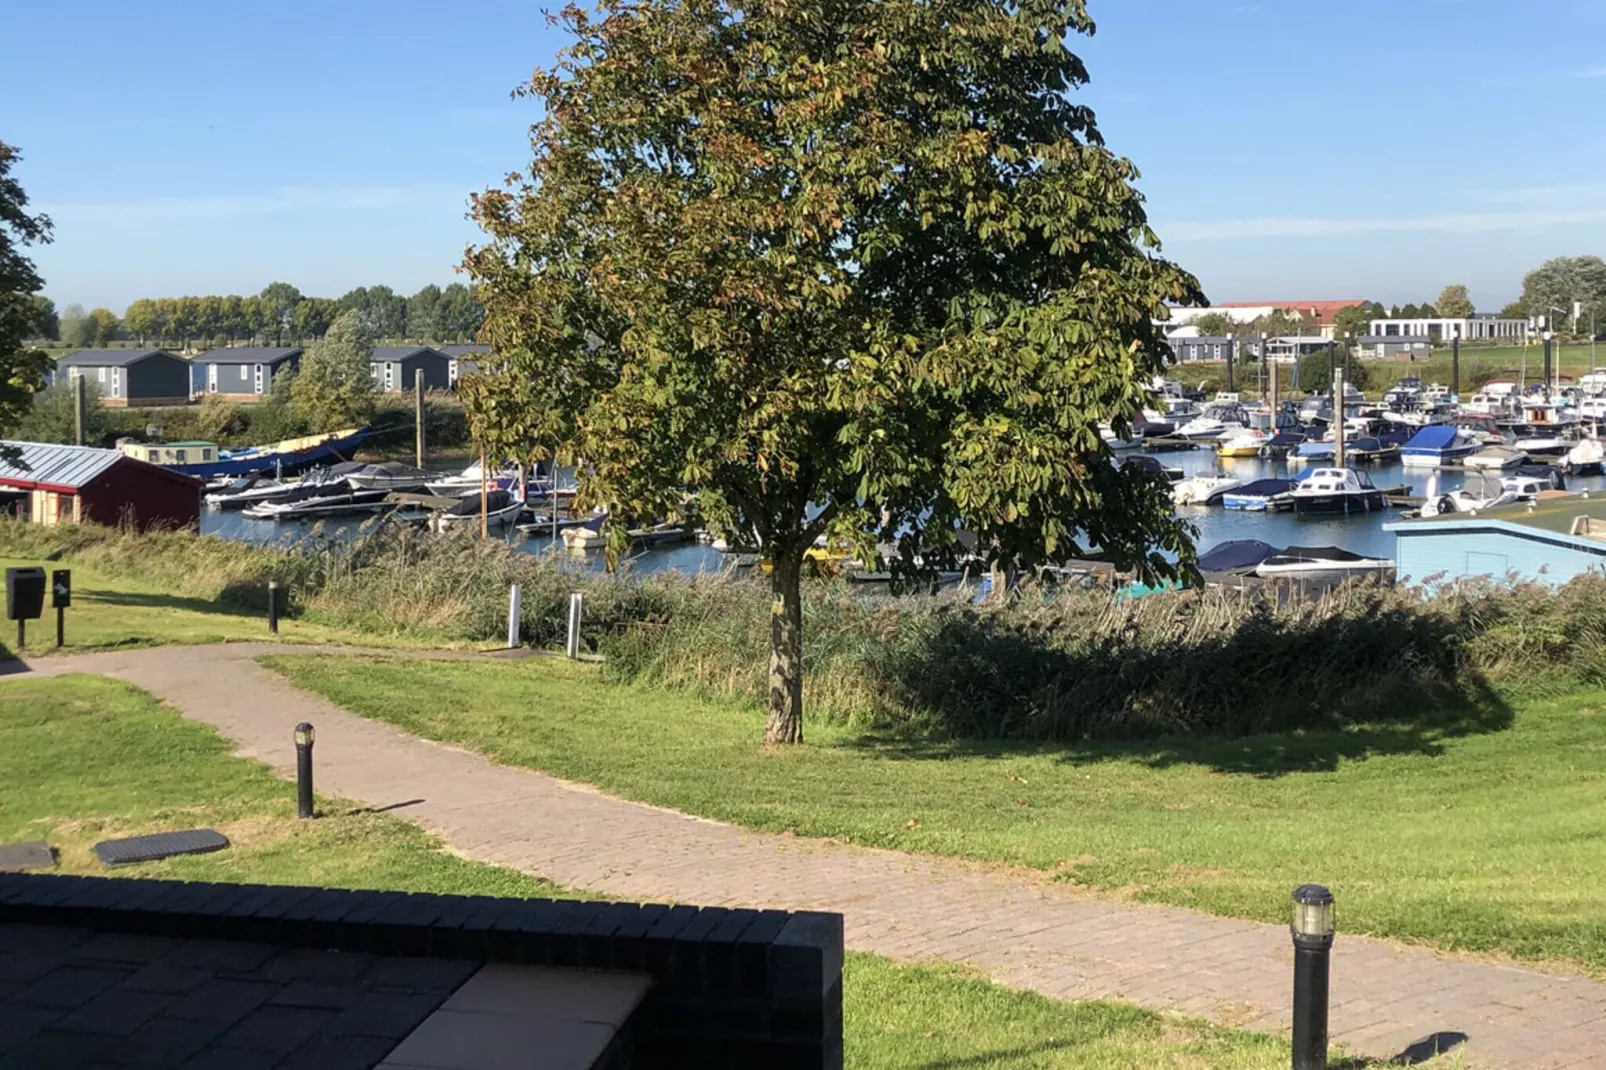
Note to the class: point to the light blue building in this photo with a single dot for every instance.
(1549, 542)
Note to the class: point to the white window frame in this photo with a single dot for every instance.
(390, 377)
(211, 378)
(259, 378)
(117, 382)
(100, 373)
(245, 373)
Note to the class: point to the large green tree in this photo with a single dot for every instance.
(77, 329)
(1455, 302)
(278, 309)
(106, 326)
(861, 270)
(1216, 325)
(1559, 283)
(23, 369)
(335, 387)
(1357, 319)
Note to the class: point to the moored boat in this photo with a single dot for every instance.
(1319, 560)
(1261, 496)
(288, 457)
(1337, 492)
(1202, 490)
(1438, 446)
(1496, 458)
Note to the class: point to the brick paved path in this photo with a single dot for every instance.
(1025, 933)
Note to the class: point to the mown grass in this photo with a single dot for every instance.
(1468, 836)
(84, 758)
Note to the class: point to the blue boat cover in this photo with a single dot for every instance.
(1437, 437)
(1235, 555)
(1287, 439)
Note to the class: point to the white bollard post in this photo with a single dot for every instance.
(515, 601)
(574, 624)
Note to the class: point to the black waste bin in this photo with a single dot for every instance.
(25, 593)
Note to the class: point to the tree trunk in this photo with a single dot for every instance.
(786, 650)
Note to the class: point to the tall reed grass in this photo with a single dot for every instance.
(1067, 664)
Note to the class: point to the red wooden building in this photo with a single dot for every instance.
(50, 484)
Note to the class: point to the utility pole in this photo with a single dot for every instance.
(1233, 344)
(1455, 364)
(418, 417)
(80, 409)
(1338, 413)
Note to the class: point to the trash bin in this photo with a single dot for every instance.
(25, 593)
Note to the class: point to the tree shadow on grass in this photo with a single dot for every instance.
(235, 601)
(1258, 698)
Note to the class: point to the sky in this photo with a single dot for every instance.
(1290, 149)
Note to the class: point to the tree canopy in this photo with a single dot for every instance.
(862, 271)
(1559, 283)
(1357, 319)
(1455, 303)
(22, 369)
(335, 385)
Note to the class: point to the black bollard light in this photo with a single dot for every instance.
(273, 606)
(304, 737)
(1312, 929)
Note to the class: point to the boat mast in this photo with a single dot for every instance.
(1338, 407)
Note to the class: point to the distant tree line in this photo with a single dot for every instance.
(279, 315)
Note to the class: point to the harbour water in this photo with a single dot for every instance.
(1362, 534)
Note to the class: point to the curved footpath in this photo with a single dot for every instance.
(1025, 933)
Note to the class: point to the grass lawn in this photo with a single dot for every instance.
(1490, 842)
(85, 758)
(110, 611)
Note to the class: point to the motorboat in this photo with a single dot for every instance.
(1115, 442)
(1336, 491)
(1152, 464)
(1586, 457)
(470, 478)
(1281, 444)
(1247, 443)
(284, 458)
(501, 508)
(1370, 450)
(1238, 556)
(1544, 445)
(1317, 451)
(389, 476)
(1540, 412)
(1202, 490)
(1481, 425)
(1498, 458)
(335, 499)
(255, 490)
(1437, 446)
(1261, 496)
(1313, 560)
(1218, 420)
(1405, 395)
(1513, 489)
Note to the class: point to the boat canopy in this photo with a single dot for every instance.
(1262, 488)
(1145, 462)
(1236, 555)
(1548, 472)
(1320, 553)
(1287, 439)
(1436, 437)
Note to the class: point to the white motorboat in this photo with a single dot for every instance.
(1217, 421)
(1437, 446)
(1513, 489)
(501, 509)
(1243, 443)
(1497, 458)
(1115, 442)
(1586, 456)
(1313, 560)
(469, 480)
(1336, 492)
(389, 476)
(1202, 490)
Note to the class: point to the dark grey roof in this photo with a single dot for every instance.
(1394, 339)
(392, 354)
(1202, 340)
(60, 466)
(248, 355)
(111, 358)
(457, 351)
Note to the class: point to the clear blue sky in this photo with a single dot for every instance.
(1290, 149)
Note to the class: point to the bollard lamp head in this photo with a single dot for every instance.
(1313, 921)
(304, 734)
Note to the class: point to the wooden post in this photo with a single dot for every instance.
(80, 409)
(1271, 370)
(485, 508)
(418, 416)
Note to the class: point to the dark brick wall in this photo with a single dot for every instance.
(732, 987)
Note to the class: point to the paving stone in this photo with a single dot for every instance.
(117, 1012)
(224, 1000)
(279, 1030)
(385, 1014)
(420, 975)
(338, 1053)
(71, 986)
(20, 857)
(168, 1041)
(320, 994)
(19, 1022)
(52, 1050)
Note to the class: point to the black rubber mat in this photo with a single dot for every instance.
(161, 845)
